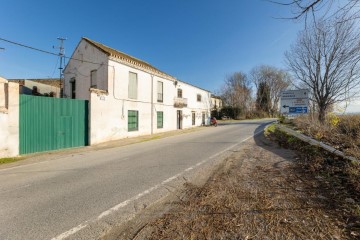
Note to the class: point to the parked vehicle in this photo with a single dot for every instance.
(213, 122)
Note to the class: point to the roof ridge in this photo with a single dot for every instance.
(116, 53)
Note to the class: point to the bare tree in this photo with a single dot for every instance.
(236, 91)
(342, 9)
(326, 59)
(276, 79)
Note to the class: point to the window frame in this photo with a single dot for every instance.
(158, 114)
(198, 97)
(179, 93)
(130, 90)
(160, 95)
(136, 122)
(93, 78)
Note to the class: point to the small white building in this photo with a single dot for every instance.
(216, 103)
(39, 87)
(128, 97)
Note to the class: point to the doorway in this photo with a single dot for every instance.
(179, 119)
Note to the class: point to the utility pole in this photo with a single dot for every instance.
(62, 61)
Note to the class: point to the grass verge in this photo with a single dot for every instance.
(9, 160)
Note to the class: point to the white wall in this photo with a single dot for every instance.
(80, 70)
(109, 111)
(42, 88)
(3, 94)
(216, 103)
(109, 108)
(9, 123)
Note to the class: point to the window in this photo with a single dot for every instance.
(193, 118)
(198, 97)
(93, 80)
(160, 119)
(179, 93)
(133, 120)
(160, 91)
(133, 85)
(73, 88)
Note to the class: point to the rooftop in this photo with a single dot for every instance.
(55, 82)
(125, 57)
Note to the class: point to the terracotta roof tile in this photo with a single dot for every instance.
(117, 54)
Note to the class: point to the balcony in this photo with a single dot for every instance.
(180, 102)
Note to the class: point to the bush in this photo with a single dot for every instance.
(232, 112)
(341, 132)
(257, 114)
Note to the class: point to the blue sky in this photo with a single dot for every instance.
(199, 42)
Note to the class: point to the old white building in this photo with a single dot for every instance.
(129, 97)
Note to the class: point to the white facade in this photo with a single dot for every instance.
(9, 118)
(110, 100)
(216, 103)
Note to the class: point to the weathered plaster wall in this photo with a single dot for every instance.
(109, 111)
(9, 122)
(87, 58)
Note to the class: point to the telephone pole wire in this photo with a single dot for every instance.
(62, 61)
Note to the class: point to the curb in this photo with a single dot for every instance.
(314, 142)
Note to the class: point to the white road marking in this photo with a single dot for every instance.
(70, 232)
(126, 202)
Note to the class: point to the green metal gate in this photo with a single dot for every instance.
(52, 123)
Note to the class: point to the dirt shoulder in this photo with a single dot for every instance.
(259, 192)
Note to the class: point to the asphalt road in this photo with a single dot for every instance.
(56, 199)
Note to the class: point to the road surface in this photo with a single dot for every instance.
(74, 196)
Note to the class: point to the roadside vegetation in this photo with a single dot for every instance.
(263, 191)
(9, 160)
(340, 178)
(340, 131)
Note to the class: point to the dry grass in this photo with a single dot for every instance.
(266, 192)
(256, 195)
(341, 132)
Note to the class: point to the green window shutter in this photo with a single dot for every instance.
(160, 91)
(133, 120)
(133, 85)
(160, 119)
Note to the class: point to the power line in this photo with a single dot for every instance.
(43, 51)
(33, 48)
(57, 61)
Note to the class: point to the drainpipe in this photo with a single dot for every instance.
(152, 104)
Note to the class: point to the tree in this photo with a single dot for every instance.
(276, 80)
(344, 10)
(263, 102)
(236, 91)
(326, 59)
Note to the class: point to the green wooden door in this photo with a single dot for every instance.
(52, 123)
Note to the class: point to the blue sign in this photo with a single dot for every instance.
(298, 109)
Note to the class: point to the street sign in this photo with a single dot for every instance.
(294, 101)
